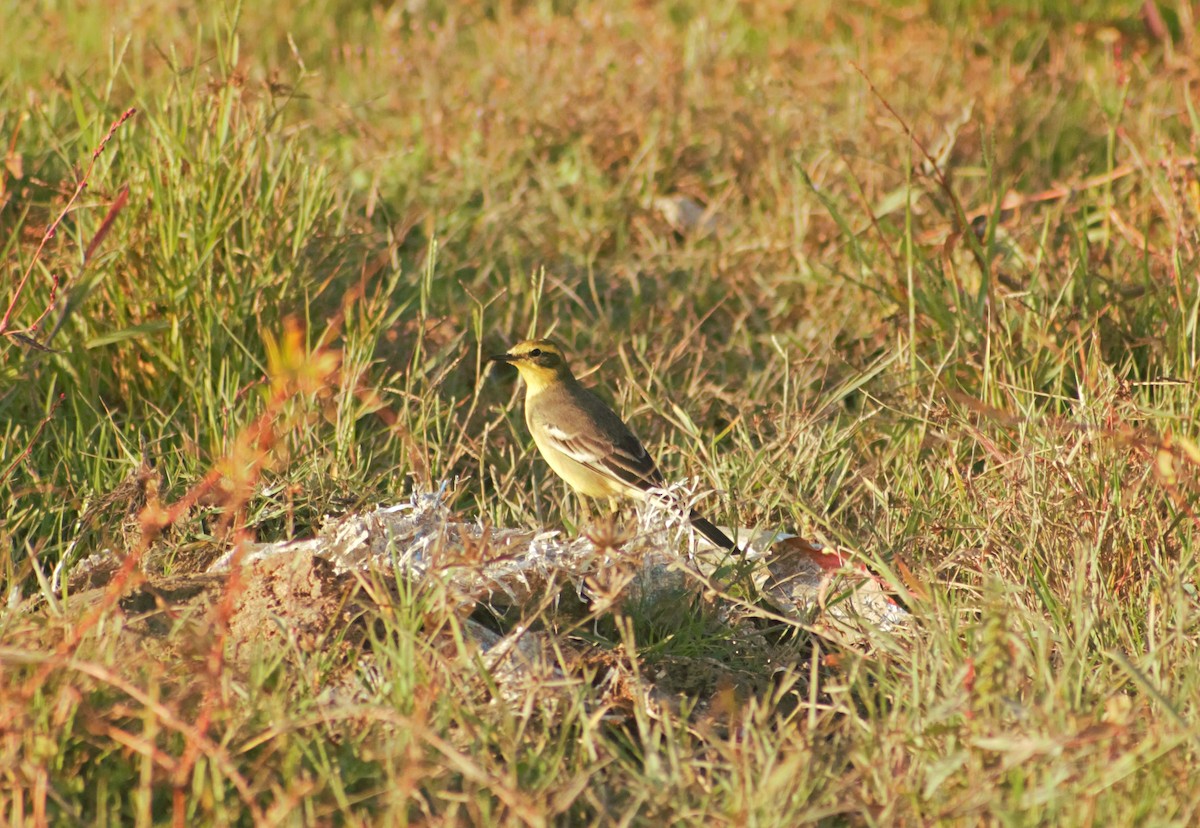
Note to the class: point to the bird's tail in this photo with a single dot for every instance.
(714, 534)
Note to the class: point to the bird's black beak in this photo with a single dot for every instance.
(509, 358)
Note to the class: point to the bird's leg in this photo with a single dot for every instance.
(603, 531)
(577, 518)
(614, 510)
(603, 520)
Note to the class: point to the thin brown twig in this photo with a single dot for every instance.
(234, 587)
(251, 452)
(1153, 445)
(114, 209)
(1015, 201)
(32, 440)
(154, 518)
(858, 192)
(938, 176)
(52, 230)
(167, 716)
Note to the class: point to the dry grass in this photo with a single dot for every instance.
(335, 210)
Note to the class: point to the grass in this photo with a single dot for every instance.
(336, 210)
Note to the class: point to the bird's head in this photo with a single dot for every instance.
(540, 361)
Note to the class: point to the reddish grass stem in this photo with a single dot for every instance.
(53, 229)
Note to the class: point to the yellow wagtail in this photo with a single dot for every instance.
(581, 438)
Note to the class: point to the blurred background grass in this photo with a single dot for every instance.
(420, 184)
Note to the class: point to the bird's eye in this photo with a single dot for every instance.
(536, 352)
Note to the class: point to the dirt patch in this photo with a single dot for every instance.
(297, 601)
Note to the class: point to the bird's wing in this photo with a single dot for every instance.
(624, 460)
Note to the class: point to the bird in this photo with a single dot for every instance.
(581, 438)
